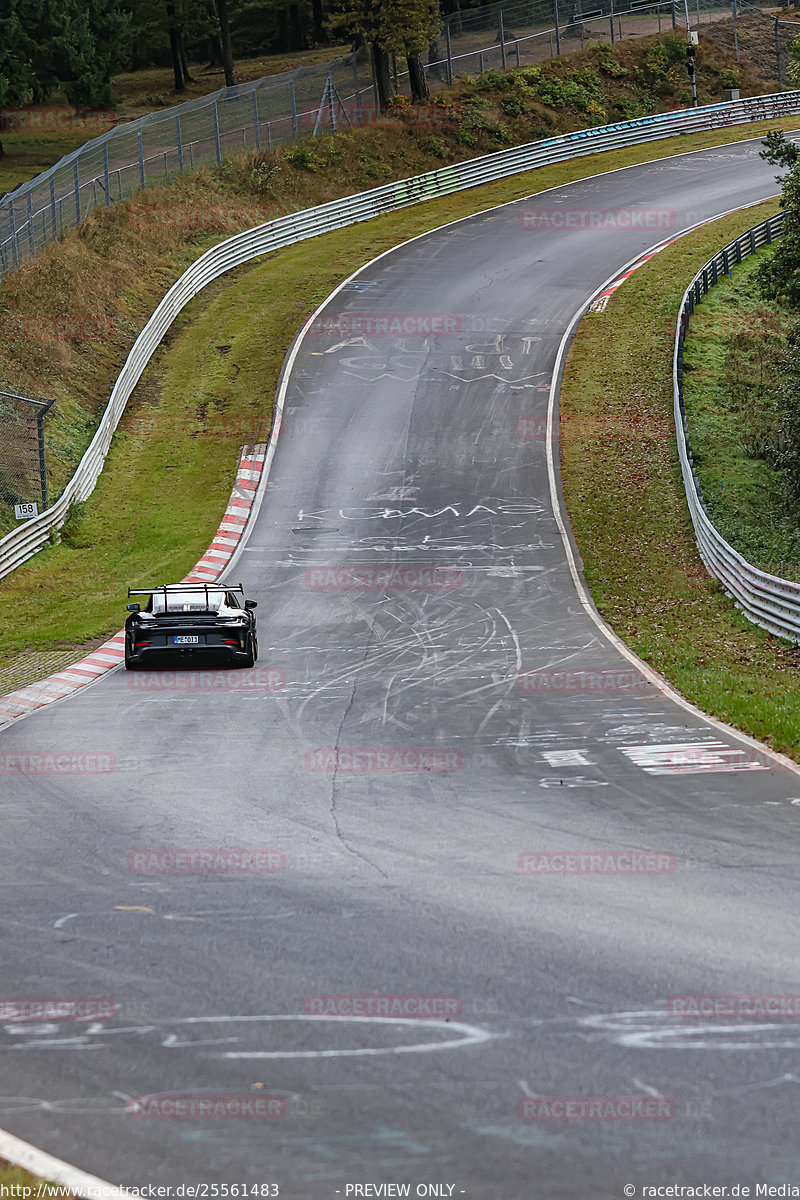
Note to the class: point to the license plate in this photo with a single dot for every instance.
(186, 641)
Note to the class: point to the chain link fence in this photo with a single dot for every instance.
(23, 472)
(333, 96)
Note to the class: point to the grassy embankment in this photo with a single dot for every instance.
(160, 498)
(627, 505)
(729, 369)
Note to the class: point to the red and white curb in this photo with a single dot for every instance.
(226, 541)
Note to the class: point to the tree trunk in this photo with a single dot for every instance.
(318, 16)
(2, 151)
(175, 48)
(437, 53)
(420, 91)
(296, 39)
(225, 41)
(383, 80)
(184, 66)
(214, 52)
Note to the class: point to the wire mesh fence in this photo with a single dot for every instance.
(23, 472)
(333, 96)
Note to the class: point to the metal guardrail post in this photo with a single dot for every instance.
(357, 86)
(256, 121)
(179, 141)
(735, 30)
(217, 143)
(106, 175)
(293, 102)
(77, 183)
(12, 226)
(40, 416)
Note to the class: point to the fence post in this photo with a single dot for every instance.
(256, 126)
(359, 111)
(293, 101)
(502, 34)
(141, 157)
(674, 22)
(106, 174)
(735, 30)
(42, 463)
(216, 131)
(53, 210)
(77, 182)
(778, 54)
(30, 225)
(449, 53)
(179, 140)
(558, 31)
(611, 21)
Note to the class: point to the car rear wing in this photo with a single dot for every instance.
(173, 589)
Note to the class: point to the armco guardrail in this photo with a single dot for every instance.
(768, 601)
(277, 109)
(21, 543)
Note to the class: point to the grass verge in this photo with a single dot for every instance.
(170, 468)
(748, 499)
(625, 499)
(18, 1178)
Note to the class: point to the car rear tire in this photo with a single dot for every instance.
(130, 664)
(251, 652)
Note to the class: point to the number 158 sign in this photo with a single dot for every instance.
(23, 511)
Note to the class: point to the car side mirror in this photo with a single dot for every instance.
(134, 608)
(251, 604)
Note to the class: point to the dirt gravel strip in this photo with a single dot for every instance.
(223, 546)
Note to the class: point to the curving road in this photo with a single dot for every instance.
(408, 453)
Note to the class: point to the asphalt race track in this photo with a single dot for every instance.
(387, 753)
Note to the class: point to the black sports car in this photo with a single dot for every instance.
(191, 620)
